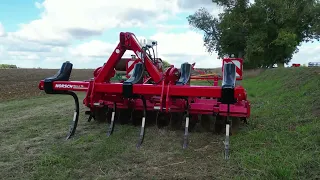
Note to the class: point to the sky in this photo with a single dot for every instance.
(35, 33)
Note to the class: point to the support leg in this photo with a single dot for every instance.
(111, 127)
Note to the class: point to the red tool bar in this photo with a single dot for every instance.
(143, 89)
(174, 90)
(67, 85)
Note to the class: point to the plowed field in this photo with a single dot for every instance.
(22, 83)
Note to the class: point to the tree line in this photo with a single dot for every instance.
(263, 33)
(8, 66)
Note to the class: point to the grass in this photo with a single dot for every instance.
(281, 141)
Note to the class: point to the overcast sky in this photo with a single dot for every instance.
(46, 33)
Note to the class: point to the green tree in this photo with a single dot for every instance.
(165, 64)
(8, 66)
(263, 33)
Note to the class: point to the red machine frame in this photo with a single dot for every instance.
(164, 94)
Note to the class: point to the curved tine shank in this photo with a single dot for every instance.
(111, 127)
(143, 123)
(75, 120)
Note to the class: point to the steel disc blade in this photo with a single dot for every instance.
(176, 120)
(100, 114)
(163, 119)
(205, 122)
(219, 124)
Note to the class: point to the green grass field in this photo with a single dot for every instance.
(281, 141)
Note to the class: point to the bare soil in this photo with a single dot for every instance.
(23, 83)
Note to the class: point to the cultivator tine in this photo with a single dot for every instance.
(75, 119)
(186, 128)
(111, 127)
(227, 139)
(143, 123)
(186, 133)
(226, 143)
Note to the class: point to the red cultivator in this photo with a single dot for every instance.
(150, 91)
